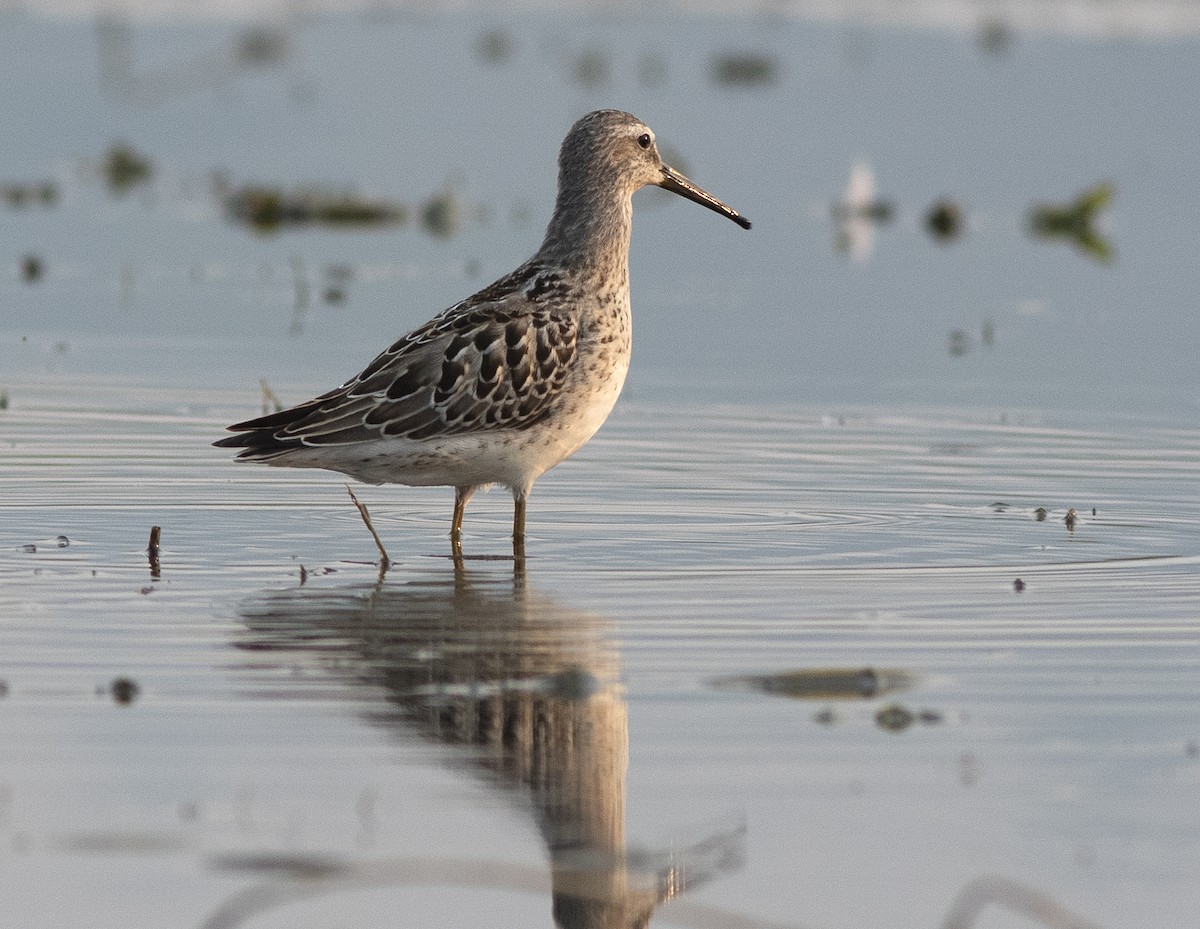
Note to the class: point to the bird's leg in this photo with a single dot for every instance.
(519, 497)
(461, 496)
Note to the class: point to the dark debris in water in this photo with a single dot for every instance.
(59, 541)
(995, 36)
(744, 69)
(1070, 518)
(19, 195)
(152, 551)
(897, 718)
(1076, 222)
(259, 46)
(496, 46)
(296, 865)
(123, 690)
(824, 683)
(32, 269)
(894, 718)
(443, 214)
(958, 343)
(125, 168)
(945, 221)
(267, 209)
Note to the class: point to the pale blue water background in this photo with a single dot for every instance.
(799, 476)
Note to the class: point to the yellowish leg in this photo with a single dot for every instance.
(461, 496)
(519, 531)
(519, 519)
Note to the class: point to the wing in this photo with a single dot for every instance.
(495, 364)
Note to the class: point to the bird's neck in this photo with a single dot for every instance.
(589, 234)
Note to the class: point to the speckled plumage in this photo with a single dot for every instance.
(504, 385)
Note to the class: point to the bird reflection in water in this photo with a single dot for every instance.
(528, 693)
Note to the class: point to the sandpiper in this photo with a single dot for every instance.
(504, 385)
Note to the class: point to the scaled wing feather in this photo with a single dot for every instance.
(497, 362)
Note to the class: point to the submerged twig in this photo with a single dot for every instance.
(270, 400)
(384, 561)
(152, 551)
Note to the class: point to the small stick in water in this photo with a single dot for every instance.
(384, 561)
(270, 402)
(152, 551)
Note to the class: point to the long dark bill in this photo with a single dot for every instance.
(677, 183)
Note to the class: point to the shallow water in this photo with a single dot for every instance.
(336, 722)
(768, 660)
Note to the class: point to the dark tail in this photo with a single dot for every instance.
(265, 437)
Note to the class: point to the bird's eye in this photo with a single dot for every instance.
(644, 140)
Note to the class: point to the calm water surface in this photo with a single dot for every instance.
(768, 663)
(440, 714)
